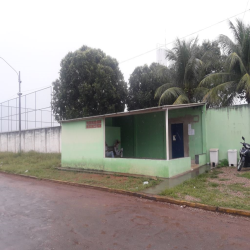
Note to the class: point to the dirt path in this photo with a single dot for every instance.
(42, 215)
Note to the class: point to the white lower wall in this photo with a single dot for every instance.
(44, 140)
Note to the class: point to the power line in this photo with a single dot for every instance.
(182, 37)
(9, 65)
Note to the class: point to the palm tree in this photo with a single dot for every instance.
(189, 63)
(220, 89)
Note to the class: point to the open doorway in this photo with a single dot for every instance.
(177, 140)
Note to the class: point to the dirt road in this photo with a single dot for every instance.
(42, 215)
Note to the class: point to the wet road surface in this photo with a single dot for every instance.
(42, 215)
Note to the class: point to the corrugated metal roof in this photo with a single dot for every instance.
(138, 111)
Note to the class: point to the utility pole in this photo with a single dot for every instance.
(19, 94)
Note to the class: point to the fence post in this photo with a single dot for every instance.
(35, 109)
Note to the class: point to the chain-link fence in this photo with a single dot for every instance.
(36, 111)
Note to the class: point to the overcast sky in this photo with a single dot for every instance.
(36, 35)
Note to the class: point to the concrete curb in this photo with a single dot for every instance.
(145, 196)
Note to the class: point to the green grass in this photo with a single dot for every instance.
(207, 192)
(246, 175)
(214, 174)
(223, 163)
(212, 184)
(44, 166)
(239, 187)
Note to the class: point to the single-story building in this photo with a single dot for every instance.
(162, 141)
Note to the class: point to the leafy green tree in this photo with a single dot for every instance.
(189, 63)
(143, 83)
(90, 83)
(234, 78)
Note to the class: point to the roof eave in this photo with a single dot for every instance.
(138, 111)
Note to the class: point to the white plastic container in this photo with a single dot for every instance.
(214, 159)
(232, 157)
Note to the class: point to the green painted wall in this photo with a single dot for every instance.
(226, 126)
(84, 148)
(159, 168)
(142, 136)
(137, 166)
(112, 134)
(126, 123)
(81, 146)
(204, 129)
(150, 136)
(195, 141)
(179, 166)
(202, 159)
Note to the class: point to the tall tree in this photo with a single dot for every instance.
(143, 83)
(234, 78)
(189, 62)
(90, 83)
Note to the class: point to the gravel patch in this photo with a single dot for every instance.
(229, 177)
(230, 173)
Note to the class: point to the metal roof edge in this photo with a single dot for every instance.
(138, 111)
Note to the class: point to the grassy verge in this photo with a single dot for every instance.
(216, 189)
(44, 166)
(246, 175)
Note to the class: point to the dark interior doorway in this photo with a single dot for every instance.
(177, 140)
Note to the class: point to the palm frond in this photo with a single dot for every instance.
(244, 83)
(207, 96)
(159, 91)
(227, 45)
(215, 79)
(220, 93)
(238, 30)
(200, 92)
(170, 55)
(163, 71)
(245, 51)
(170, 95)
(182, 99)
(192, 70)
(193, 45)
(233, 60)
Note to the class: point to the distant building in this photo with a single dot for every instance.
(161, 55)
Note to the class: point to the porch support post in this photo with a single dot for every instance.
(167, 139)
(104, 138)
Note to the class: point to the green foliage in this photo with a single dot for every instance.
(239, 187)
(189, 63)
(143, 83)
(234, 78)
(223, 163)
(246, 175)
(212, 184)
(90, 83)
